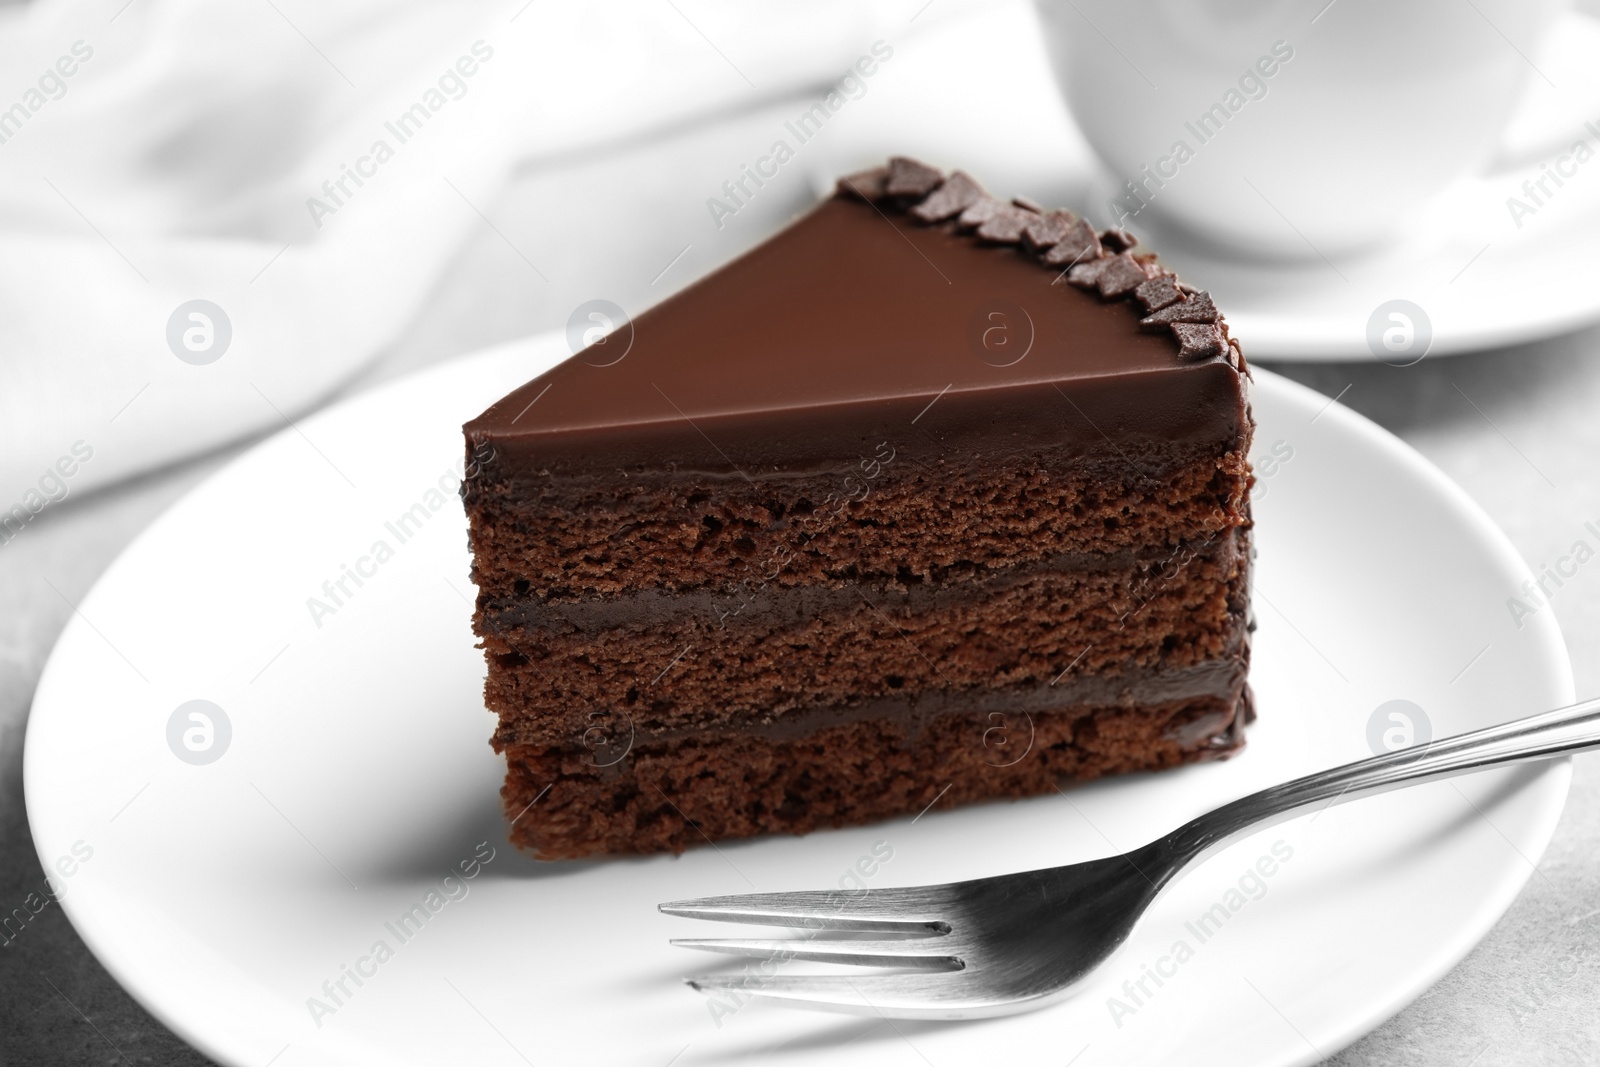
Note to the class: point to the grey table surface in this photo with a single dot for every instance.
(1524, 446)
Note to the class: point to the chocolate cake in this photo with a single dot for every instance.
(930, 498)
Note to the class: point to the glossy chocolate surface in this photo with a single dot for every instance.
(858, 323)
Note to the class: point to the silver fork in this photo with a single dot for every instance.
(1015, 942)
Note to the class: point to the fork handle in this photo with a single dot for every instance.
(1543, 736)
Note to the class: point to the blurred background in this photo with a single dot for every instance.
(216, 218)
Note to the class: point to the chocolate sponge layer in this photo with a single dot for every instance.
(664, 797)
(562, 540)
(1099, 611)
(1101, 631)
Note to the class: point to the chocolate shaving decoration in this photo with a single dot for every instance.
(1043, 231)
(1198, 308)
(908, 177)
(1119, 275)
(1101, 261)
(1006, 225)
(1114, 276)
(958, 193)
(1198, 340)
(1158, 292)
(1078, 245)
(1236, 357)
(1118, 240)
(979, 212)
(868, 185)
(1086, 275)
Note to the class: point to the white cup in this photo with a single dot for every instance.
(1288, 128)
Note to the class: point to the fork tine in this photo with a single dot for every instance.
(913, 910)
(922, 952)
(928, 995)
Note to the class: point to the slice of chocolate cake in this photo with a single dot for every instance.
(930, 498)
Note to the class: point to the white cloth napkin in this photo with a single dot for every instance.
(309, 170)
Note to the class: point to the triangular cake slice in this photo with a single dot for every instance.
(930, 498)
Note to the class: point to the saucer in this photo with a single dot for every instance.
(1480, 279)
(1488, 263)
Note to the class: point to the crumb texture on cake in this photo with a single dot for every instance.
(683, 533)
(739, 784)
(1133, 622)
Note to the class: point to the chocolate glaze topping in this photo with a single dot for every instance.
(861, 323)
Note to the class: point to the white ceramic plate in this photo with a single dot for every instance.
(358, 777)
